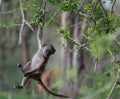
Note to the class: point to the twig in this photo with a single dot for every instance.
(83, 14)
(111, 9)
(80, 6)
(114, 84)
(105, 15)
(81, 46)
(8, 12)
(94, 6)
(23, 22)
(95, 62)
(84, 45)
(19, 24)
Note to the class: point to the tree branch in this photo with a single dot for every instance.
(23, 22)
(114, 84)
(111, 9)
(80, 7)
(105, 15)
(95, 62)
(20, 34)
(40, 28)
(94, 6)
(8, 12)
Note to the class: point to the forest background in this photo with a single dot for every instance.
(85, 34)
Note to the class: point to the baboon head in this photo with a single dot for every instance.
(48, 50)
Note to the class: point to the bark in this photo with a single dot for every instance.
(76, 58)
(63, 41)
(78, 55)
(71, 87)
(66, 54)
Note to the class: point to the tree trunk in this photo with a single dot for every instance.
(63, 41)
(76, 58)
(66, 54)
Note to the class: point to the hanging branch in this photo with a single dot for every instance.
(113, 87)
(111, 9)
(23, 22)
(40, 28)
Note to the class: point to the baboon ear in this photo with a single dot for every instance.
(44, 45)
(53, 49)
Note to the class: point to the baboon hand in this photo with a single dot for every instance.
(17, 86)
(19, 65)
(26, 74)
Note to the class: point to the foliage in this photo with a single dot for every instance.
(100, 34)
(100, 87)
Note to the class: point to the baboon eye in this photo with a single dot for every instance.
(47, 51)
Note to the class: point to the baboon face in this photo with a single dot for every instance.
(48, 50)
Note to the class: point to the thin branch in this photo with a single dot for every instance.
(40, 28)
(105, 15)
(20, 34)
(83, 14)
(80, 6)
(21, 9)
(84, 45)
(98, 92)
(29, 25)
(94, 6)
(81, 46)
(114, 84)
(19, 24)
(39, 36)
(23, 22)
(95, 64)
(8, 12)
(111, 9)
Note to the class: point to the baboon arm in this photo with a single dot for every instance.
(24, 81)
(34, 69)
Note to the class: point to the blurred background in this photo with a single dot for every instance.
(86, 37)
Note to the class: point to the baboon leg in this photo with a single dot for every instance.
(23, 83)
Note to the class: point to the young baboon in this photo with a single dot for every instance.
(34, 68)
